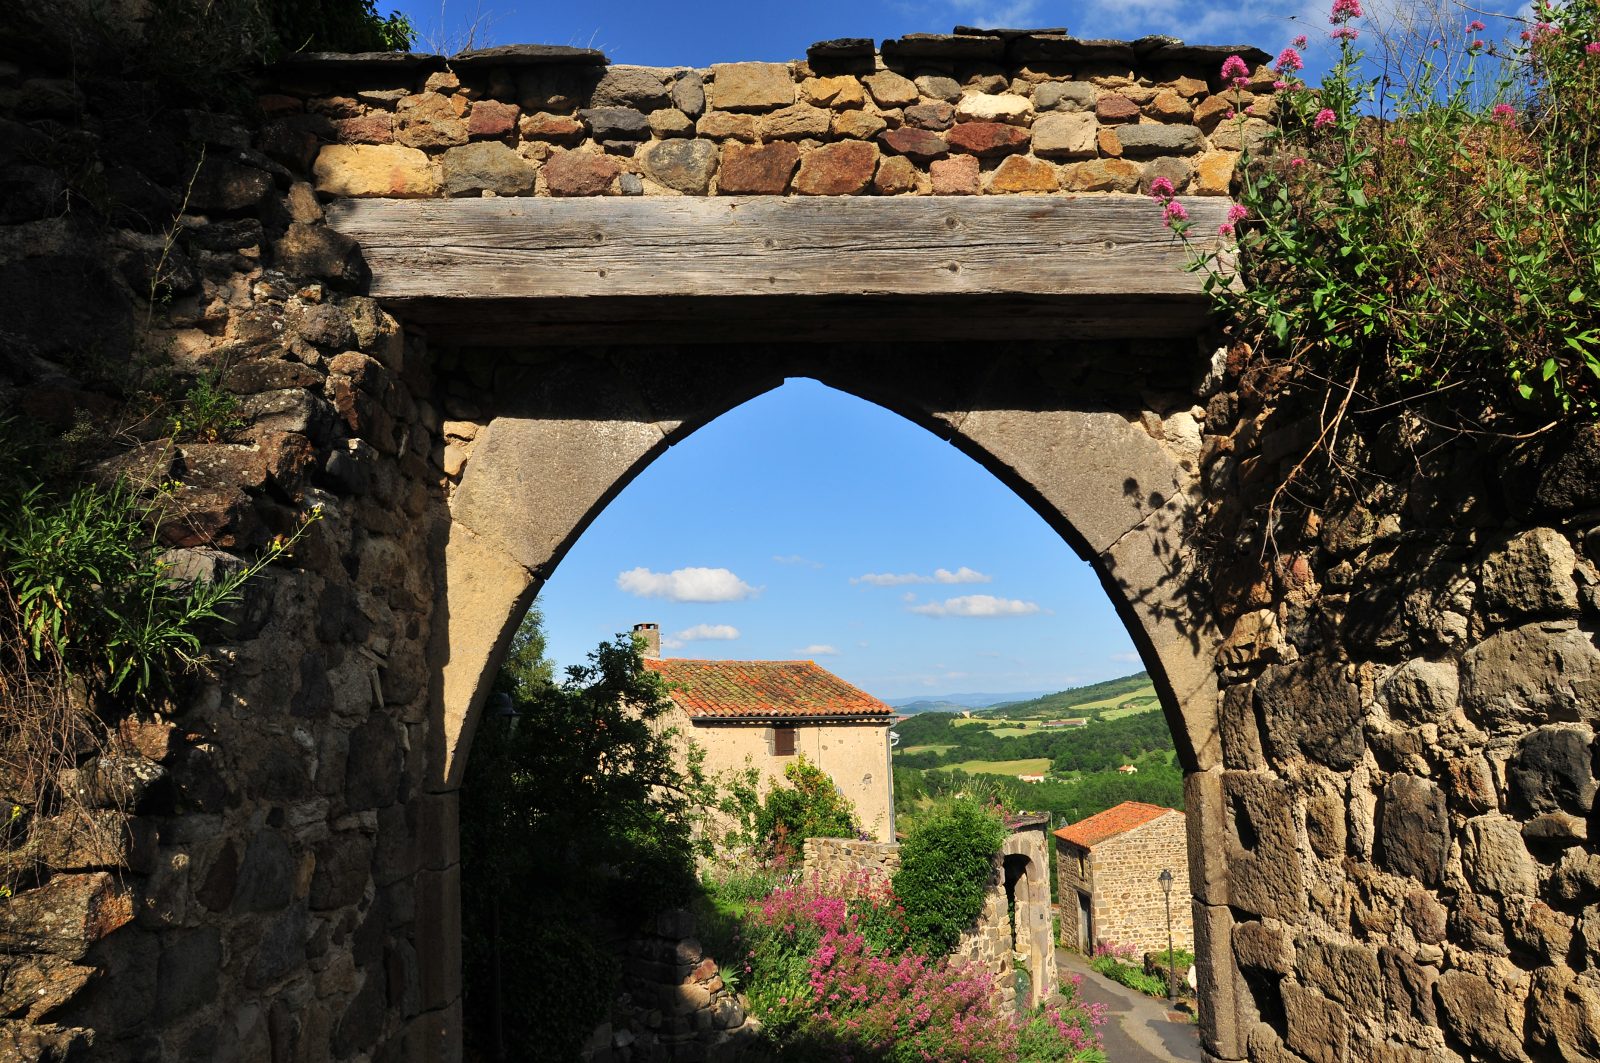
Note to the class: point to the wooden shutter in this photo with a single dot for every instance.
(783, 741)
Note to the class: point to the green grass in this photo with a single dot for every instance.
(1032, 766)
(926, 749)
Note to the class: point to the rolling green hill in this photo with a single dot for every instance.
(1131, 693)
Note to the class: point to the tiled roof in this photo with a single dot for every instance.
(762, 689)
(1113, 821)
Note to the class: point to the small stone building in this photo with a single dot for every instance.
(767, 713)
(1108, 871)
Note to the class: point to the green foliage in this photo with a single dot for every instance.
(1129, 975)
(945, 866)
(208, 412)
(809, 806)
(1452, 247)
(93, 590)
(1053, 705)
(572, 812)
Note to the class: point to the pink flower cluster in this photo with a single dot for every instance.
(1236, 70)
(1236, 214)
(1505, 114)
(1172, 212)
(1325, 117)
(1344, 10)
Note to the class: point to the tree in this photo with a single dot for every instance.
(573, 826)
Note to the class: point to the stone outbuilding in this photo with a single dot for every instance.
(1108, 871)
(766, 713)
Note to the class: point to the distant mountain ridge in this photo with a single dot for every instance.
(959, 702)
(1061, 701)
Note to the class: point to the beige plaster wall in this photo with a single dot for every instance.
(855, 755)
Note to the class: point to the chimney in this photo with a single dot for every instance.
(650, 635)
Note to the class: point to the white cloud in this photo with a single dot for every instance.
(977, 605)
(796, 559)
(707, 633)
(940, 575)
(1125, 658)
(686, 585)
(820, 649)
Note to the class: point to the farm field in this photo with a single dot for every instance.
(1030, 766)
(925, 749)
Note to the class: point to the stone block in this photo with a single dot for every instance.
(266, 876)
(580, 173)
(1533, 673)
(641, 87)
(762, 170)
(683, 165)
(1486, 1017)
(1225, 1024)
(487, 166)
(1214, 173)
(1264, 945)
(1553, 771)
(1495, 859)
(986, 139)
(689, 93)
(1066, 135)
(1341, 971)
(1311, 709)
(1114, 107)
(841, 169)
(1020, 173)
(1143, 141)
(439, 936)
(616, 123)
(890, 89)
(1265, 873)
(895, 176)
(919, 144)
(751, 86)
(1532, 575)
(1413, 829)
(722, 125)
(800, 121)
(981, 107)
(189, 972)
(391, 171)
(1204, 821)
(492, 118)
(857, 125)
(1065, 96)
(1104, 175)
(1318, 1029)
(64, 916)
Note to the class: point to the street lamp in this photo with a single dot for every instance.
(1165, 878)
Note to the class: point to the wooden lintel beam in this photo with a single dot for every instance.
(1071, 248)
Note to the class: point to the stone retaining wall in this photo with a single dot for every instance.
(928, 116)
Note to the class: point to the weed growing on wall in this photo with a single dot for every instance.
(1434, 232)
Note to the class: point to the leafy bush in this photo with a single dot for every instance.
(810, 806)
(945, 867)
(1113, 962)
(1449, 245)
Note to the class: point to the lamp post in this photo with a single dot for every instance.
(1165, 878)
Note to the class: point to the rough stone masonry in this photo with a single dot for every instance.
(1388, 720)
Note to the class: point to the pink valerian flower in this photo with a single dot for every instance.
(1505, 114)
(1325, 117)
(1289, 60)
(1280, 84)
(1344, 10)
(1236, 70)
(1345, 33)
(1238, 213)
(1297, 161)
(1161, 190)
(1300, 42)
(1592, 48)
(1475, 26)
(1173, 213)
(1477, 46)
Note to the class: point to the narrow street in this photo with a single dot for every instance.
(1137, 1029)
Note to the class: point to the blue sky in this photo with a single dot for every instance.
(811, 524)
(719, 31)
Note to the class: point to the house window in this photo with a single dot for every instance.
(783, 741)
(1083, 864)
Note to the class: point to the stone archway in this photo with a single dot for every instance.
(558, 441)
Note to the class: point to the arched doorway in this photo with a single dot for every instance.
(1108, 459)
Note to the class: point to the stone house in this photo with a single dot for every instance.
(1107, 871)
(767, 713)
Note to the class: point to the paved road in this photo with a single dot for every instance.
(1137, 1029)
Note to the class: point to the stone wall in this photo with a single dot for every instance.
(988, 944)
(927, 116)
(675, 1005)
(1407, 723)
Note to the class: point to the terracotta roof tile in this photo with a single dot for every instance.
(1113, 821)
(762, 689)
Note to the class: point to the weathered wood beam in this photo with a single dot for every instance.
(1084, 263)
